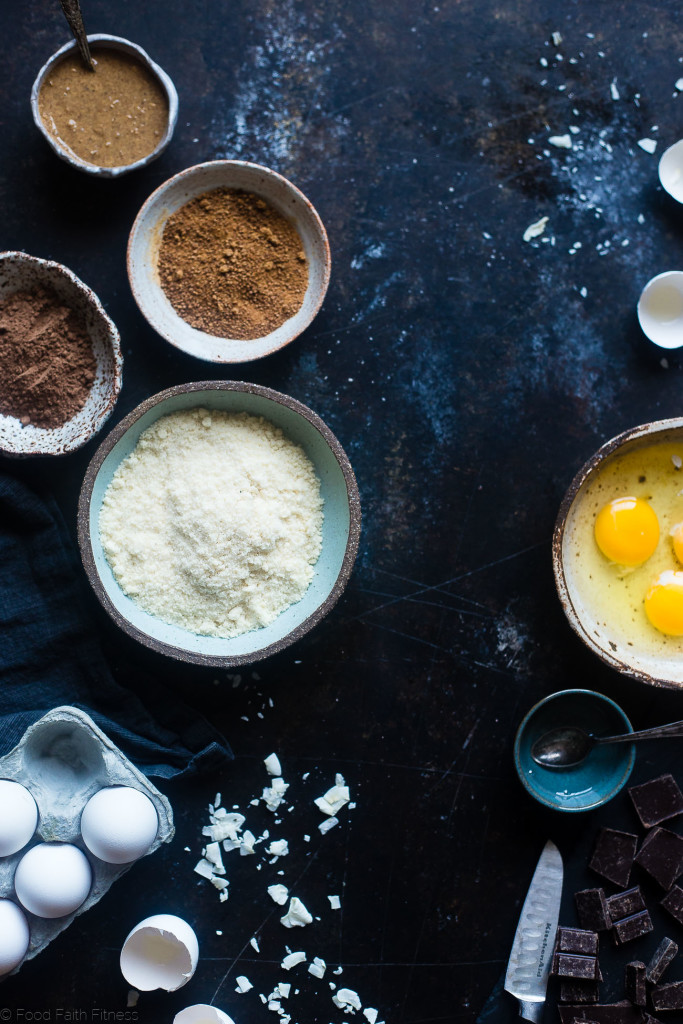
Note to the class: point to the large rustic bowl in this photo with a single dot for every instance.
(20, 272)
(145, 240)
(109, 42)
(341, 525)
(627, 656)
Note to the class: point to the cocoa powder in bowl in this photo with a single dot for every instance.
(47, 363)
(231, 265)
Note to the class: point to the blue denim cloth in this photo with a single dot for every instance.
(50, 653)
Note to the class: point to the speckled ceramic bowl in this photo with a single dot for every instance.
(19, 272)
(113, 43)
(341, 526)
(597, 779)
(145, 239)
(624, 656)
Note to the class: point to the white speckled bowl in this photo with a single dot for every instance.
(341, 524)
(18, 271)
(145, 239)
(112, 43)
(656, 670)
(671, 170)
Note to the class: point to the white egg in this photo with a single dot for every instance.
(119, 824)
(160, 952)
(18, 817)
(202, 1013)
(53, 879)
(14, 936)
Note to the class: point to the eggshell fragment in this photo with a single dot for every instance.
(18, 817)
(202, 1013)
(671, 170)
(119, 824)
(160, 952)
(53, 879)
(14, 936)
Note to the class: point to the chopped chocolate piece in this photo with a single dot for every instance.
(662, 856)
(632, 927)
(569, 965)
(668, 997)
(573, 991)
(591, 909)
(657, 800)
(635, 983)
(576, 940)
(613, 855)
(673, 902)
(624, 904)
(664, 954)
(603, 1013)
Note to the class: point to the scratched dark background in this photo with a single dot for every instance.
(468, 376)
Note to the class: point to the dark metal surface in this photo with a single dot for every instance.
(468, 377)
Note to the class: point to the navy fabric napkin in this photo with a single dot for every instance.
(50, 653)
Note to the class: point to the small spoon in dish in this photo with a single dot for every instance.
(72, 12)
(568, 746)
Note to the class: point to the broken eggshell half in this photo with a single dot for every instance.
(202, 1013)
(160, 952)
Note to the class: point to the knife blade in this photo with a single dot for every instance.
(529, 964)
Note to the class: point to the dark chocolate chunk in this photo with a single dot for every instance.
(603, 1013)
(631, 928)
(661, 855)
(657, 800)
(664, 954)
(635, 983)
(613, 855)
(576, 940)
(569, 965)
(673, 902)
(572, 991)
(624, 904)
(668, 997)
(591, 909)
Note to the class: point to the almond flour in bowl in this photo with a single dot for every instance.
(214, 521)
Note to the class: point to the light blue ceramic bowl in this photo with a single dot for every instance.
(341, 526)
(597, 779)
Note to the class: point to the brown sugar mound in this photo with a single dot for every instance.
(231, 265)
(47, 365)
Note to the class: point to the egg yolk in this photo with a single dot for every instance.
(676, 533)
(627, 531)
(664, 603)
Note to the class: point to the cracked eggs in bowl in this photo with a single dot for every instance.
(618, 553)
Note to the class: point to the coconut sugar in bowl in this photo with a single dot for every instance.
(228, 261)
(109, 121)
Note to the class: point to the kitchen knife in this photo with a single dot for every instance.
(532, 950)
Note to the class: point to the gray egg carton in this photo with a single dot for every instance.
(63, 759)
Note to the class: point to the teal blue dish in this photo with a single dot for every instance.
(597, 779)
(341, 525)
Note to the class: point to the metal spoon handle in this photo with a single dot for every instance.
(72, 11)
(658, 732)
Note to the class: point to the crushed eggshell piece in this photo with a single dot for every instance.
(648, 145)
(278, 848)
(318, 967)
(292, 959)
(561, 141)
(335, 902)
(347, 999)
(272, 763)
(243, 984)
(297, 915)
(278, 893)
(327, 824)
(535, 229)
(334, 799)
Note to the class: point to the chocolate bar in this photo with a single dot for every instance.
(603, 1013)
(664, 954)
(668, 997)
(625, 903)
(569, 965)
(673, 902)
(572, 991)
(591, 909)
(576, 940)
(613, 855)
(632, 927)
(635, 983)
(657, 801)
(661, 855)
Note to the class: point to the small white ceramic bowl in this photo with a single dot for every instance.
(20, 272)
(671, 170)
(145, 239)
(660, 309)
(112, 43)
(656, 667)
(341, 524)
